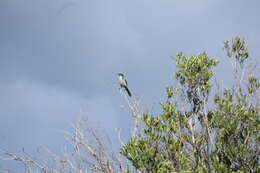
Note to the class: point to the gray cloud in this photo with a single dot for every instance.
(33, 113)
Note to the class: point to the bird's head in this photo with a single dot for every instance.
(120, 74)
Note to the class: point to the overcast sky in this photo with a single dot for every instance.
(59, 59)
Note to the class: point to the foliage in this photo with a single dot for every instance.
(186, 137)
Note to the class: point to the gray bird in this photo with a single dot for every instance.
(123, 83)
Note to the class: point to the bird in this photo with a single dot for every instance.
(123, 83)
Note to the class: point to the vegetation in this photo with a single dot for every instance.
(188, 136)
(196, 131)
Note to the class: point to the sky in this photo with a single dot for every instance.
(59, 59)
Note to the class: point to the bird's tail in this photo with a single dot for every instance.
(128, 92)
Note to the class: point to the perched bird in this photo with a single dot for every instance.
(123, 83)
